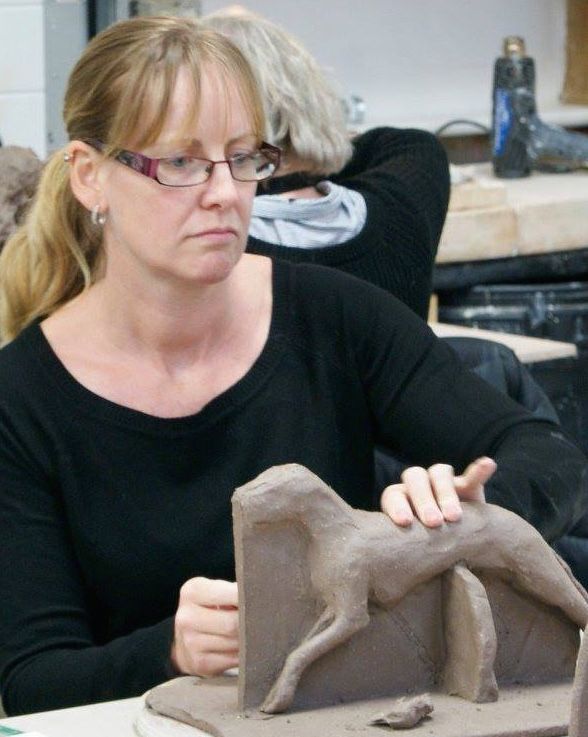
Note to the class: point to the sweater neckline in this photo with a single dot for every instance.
(87, 401)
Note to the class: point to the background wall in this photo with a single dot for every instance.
(22, 74)
(423, 62)
(414, 62)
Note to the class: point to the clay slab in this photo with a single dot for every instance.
(535, 711)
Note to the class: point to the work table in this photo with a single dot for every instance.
(491, 218)
(527, 348)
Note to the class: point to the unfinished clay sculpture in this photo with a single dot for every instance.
(359, 558)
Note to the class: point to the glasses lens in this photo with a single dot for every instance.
(183, 171)
(253, 167)
(186, 171)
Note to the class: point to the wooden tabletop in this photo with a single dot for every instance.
(493, 218)
(527, 348)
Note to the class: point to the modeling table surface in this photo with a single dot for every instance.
(96, 720)
(528, 349)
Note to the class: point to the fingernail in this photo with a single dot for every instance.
(433, 517)
(453, 513)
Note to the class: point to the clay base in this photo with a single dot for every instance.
(532, 711)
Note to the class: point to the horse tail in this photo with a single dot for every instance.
(581, 590)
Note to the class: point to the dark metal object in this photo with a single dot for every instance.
(514, 72)
(554, 311)
(557, 311)
(521, 141)
(552, 267)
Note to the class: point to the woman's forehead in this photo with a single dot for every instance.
(217, 110)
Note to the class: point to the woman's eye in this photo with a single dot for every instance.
(241, 158)
(179, 162)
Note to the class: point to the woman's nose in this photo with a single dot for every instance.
(220, 187)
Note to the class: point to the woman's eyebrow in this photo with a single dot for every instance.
(246, 137)
(194, 146)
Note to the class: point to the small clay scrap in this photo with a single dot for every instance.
(20, 169)
(405, 713)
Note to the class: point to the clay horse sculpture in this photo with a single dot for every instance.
(356, 557)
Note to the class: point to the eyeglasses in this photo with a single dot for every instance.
(189, 171)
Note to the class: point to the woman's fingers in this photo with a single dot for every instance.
(413, 497)
(395, 504)
(206, 627)
(210, 592)
(470, 485)
(434, 495)
(443, 484)
(419, 491)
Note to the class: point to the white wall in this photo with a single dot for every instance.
(415, 62)
(423, 62)
(22, 74)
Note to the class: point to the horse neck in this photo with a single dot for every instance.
(322, 508)
(301, 497)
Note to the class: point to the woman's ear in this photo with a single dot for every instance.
(85, 164)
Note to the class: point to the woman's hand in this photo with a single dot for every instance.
(433, 495)
(206, 628)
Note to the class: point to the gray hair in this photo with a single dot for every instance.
(304, 114)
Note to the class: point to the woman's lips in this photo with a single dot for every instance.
(217, 235)
(220, 231)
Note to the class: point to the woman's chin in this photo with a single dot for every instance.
(213, 268)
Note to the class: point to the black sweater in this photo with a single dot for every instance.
(105, 511)
(403, 176)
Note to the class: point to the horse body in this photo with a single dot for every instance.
(357, 556)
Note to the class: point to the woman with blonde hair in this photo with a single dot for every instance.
(373, 206)
(150, 367)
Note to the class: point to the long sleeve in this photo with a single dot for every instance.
(436, 410)
(50, 656)
(403, 175)
(414, 166)
(542, 477)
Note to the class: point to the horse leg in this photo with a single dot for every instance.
(348, 615)
(321, 623)
(540, 572)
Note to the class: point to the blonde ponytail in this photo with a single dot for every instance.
(51, 258)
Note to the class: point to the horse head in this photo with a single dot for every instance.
(285, 492)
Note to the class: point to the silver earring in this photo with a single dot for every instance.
(98, 218)
(67, 156)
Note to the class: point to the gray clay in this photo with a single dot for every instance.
(470, 638)
(19, 173)
(340, 609)
(356, 557)
(579, 710)
(405, 713)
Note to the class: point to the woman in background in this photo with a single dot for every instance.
(373, 206)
